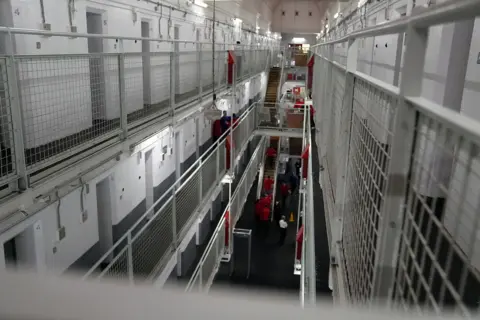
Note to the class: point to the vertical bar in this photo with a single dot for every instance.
(199, 71)
(200, 281)
(345, 135)
(249, 253)
(121, 90)
(311, 269)
(230, 225)
(232, 145)
(390, 226)
(217, 161)
(17, 122)
(197, 138)
(200, 181)
(173, 76)
(130, 259)
(398, 59)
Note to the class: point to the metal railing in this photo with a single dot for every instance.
(401, 178)
(143, 250)
(58, 108)
(281, 116)
(205, 271)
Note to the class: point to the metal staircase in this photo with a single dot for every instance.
(272, 87)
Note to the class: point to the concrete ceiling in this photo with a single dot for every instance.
(257, 12)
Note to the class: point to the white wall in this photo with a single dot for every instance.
(188, 138)
(129, 190)
(303, 23)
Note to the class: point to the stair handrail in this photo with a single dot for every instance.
(275, 180)
(281, 80)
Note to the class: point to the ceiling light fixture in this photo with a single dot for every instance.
(335, 16)
(298, 40)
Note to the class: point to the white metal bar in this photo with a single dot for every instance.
(390, 225)
(437, 14)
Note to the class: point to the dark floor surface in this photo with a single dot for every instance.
(272, 265)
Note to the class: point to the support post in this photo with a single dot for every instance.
(121, 90)
(18, 137)
(130, 259)
(345, 134)
(173, 76)
(199, 72)
(403, 136)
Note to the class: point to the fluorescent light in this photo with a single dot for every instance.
(200, 3)
(298, 40)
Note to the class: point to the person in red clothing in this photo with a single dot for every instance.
(299, 243)
(271, 154)
(216, 130)
(305, 161)
(285, 192)
(299, 103)
(267, 200)
(264, 220)
(268, 184)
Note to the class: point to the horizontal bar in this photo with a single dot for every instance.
(279, 133)
(439, 14)
(44, 33)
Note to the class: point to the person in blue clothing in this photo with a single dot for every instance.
(293, 182)
(225, 121)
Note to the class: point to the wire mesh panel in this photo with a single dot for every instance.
(186, 201)
(367, 170)
(7, 156)
(337, 92)
(220, 68)
(186, 81)
(206, 65)
(208, 173)
(118, 265)
(134, 85)
(221, 158)
(67, 101)
(210, 260)
(147, 85)
(153, 242)
(439, 258)
(234, 209)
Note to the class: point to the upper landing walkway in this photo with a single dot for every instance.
(64, 114)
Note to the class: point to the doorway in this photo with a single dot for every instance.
(146, 62)
(149, 182)
(26, 250)
(96, 66)
(104, 214)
